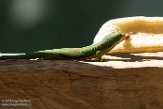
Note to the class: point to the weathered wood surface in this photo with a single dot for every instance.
(127, 81)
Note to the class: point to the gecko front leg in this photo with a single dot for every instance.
(99, 55)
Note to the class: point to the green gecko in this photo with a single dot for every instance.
(91, 51)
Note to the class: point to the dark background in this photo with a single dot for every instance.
(29, 25)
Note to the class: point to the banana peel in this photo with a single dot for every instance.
(144, 34)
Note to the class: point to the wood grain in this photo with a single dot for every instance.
(125, 81)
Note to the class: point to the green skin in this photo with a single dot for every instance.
(91, 51)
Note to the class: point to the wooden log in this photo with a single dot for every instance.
(124, 81)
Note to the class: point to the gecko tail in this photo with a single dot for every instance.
(4, 56)
(32, 55)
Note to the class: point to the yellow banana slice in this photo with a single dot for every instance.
(145, 34)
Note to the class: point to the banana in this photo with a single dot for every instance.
(144, 34)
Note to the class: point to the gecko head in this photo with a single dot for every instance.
(115, 37)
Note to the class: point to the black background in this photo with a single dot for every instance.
(66, 23)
